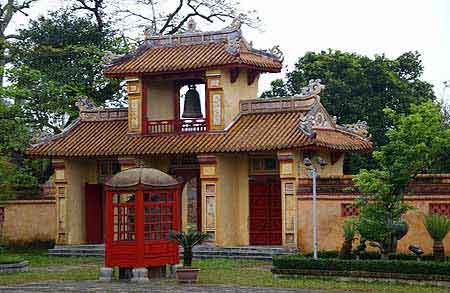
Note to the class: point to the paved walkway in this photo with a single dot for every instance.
(93, 286)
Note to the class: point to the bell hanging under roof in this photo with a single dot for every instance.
(192, 106)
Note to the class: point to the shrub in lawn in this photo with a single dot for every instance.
(438, 227)
(10, 259)
(383, 266)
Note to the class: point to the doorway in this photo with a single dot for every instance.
(265, 210)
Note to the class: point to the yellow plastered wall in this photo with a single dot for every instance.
(232, 200)
(160, 100)
(330, 233)
(78, 173)
(329, 225)
(235, 92)
(29, 220)
(336, 169)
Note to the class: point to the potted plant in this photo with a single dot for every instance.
(438, 227)
(188, 240)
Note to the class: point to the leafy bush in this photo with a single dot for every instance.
(383, 266)
(10, 259)
(368, 255)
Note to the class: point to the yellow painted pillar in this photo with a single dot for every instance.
(288, 174)
(61, 191)
(209, 189)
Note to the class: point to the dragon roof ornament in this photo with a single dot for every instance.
(314, 88)
(359, 128)
(317, 117)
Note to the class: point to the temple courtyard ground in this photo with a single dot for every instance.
(79, 274)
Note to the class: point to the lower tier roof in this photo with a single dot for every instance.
(260, 132)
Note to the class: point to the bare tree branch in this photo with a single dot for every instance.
(164, 21)
(95, 7)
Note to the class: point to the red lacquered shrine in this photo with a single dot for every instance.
(141, 210)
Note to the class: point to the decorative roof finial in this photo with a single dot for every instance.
(237, 22)
(191, 25)
(314, 88)
(150, 31)
(83, 104)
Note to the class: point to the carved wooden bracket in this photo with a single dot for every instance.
(251, 76)
(234, 74)
(335, 157)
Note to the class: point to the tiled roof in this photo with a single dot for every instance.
(250, 133)
(190, 58)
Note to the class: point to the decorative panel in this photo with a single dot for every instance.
(209, 170)
(210, 191)
(287, 168)
(289, 188)
(349, 210)
(290, 213)
(134, 114)
(214, 82)
(59, 175)
(61, 213)
(133, 86)
(216, 105)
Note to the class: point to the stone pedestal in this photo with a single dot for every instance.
(140, 275)
(106, 274)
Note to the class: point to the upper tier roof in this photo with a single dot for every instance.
(193, 51)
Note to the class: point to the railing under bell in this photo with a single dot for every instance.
(176, 126)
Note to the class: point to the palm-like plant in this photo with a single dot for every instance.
(188, 240)
(438, 227)
(349, 235)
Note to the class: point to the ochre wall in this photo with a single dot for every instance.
(29, 220)
(78, 173)
(235, 92)
(329, 225)
(160, 100)
(232, 200)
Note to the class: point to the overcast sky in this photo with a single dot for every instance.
(363, 26)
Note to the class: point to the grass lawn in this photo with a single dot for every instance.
(257, 273)
(43, 267)
(214, 271)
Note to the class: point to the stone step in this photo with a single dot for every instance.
(203, 251)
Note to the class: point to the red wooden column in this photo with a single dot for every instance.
(109, 228)
(139, 222)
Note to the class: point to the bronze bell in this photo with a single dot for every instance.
(192, 107)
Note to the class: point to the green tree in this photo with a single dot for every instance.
(59, 58)
(359, 88)
(16, 173)
(415, 145)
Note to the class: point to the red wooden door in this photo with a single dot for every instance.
(94, 214)
(265, 210)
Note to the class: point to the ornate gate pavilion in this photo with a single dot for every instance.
(193, 113)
